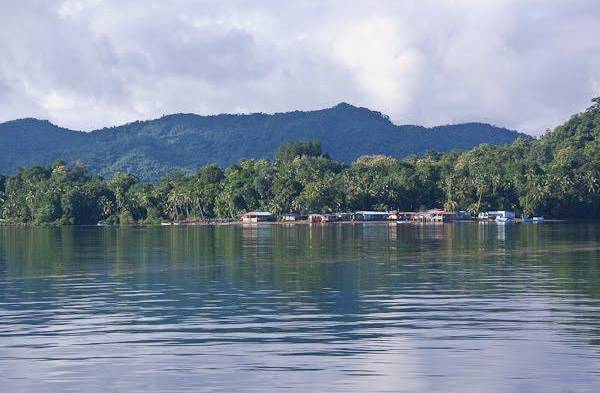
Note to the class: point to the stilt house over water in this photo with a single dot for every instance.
(252, 217)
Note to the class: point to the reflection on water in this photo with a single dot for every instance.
(337, 308)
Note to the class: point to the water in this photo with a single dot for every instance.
(334, 308)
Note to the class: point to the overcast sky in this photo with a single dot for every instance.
(86, 64)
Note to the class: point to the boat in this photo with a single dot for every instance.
(504, 220)
(535, 220)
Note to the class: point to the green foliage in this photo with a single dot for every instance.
(294, 150)
(557, 175)
(245, 187)
(56, 194)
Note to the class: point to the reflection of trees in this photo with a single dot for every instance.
(306, 252)
(326, 266)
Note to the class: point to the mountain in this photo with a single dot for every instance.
(150, 149)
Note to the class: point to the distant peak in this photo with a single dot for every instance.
(358, 111)
(345, 105)
(29, 122)
(179, 115)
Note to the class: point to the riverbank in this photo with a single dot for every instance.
(287, 223)
(307, 222)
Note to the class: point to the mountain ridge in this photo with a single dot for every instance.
(185, 141)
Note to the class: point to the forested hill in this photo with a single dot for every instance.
(151, 149)
(557, 175)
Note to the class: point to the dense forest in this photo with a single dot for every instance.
(556, 175)
(152, 149)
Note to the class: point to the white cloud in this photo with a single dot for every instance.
(88, 63)
(56, 102)
(387, 69)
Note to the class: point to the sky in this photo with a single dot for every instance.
(86, 64)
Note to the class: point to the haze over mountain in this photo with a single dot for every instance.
(150, 149)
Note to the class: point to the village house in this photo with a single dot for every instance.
(462, 215)
(321, 218)
(401, 216)
(316, 218)
(438, 215)
(344, 216)
(254, 217)
(497, 214)
(291, 216)
(434, 215)
(371, 216)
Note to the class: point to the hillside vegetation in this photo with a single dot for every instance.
(152, 149)
(557, 175)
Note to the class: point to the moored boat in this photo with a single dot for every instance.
(533, 219)
(504, 220)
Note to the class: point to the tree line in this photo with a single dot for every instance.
(557, 175)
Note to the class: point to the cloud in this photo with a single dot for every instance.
(85, 64)
(386, 69)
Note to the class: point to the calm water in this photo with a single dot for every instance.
(339, 308)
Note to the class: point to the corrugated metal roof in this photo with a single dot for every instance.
(257, 214)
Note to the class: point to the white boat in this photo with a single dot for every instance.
(504, 220)
(497, 215)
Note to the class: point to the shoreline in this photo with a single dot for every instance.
(293, 223)
(391, 222)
